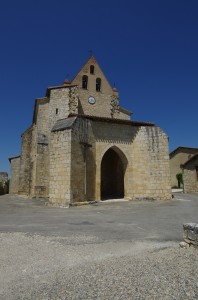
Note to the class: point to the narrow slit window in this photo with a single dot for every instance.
(98, 84)
(56, 111)
(84, 82)
(91, 69)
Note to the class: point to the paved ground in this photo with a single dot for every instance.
(126, 221)
(120, 250)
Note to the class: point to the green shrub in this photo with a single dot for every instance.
(1, 188)
(179, 177)
(6, 188)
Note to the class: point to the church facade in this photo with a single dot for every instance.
(82, 146)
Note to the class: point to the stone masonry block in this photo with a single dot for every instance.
(190, 233)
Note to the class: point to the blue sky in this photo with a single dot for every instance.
(149, 48)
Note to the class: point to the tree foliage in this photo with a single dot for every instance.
(179, 177)
(1, 188)
(4, 187)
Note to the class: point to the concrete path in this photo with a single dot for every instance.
(139, 220)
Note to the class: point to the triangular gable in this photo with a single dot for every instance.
(85, 70)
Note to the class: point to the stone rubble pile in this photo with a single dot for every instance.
(190, 234)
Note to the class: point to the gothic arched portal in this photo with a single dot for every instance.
(113, 168)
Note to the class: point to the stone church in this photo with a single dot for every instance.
(83, 146)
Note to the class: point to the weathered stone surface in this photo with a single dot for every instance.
(184, 245)
(73, 100)
(190, 233)
(114, 106)
(42, 139)
(62, 155)
(190, 175)
(64, 124)
(15, 164)
(177, 158)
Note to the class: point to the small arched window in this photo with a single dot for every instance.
(91, 69)
(84, 81)
(98, 84)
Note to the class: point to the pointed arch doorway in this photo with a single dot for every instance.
(113, 167)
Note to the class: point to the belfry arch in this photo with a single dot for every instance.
(113, 168)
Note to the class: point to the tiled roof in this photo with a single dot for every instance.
(67, 123)
(182, 148)
(112, 120)
(125, 111)
(190, 159)
(63, 124)
(68, 85)
(13, 157)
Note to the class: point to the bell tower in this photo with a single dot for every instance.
(96, 96)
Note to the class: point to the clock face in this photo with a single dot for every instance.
(92, 100)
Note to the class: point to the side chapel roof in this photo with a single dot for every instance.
(67, 123)
(190, 159)
(180, 148)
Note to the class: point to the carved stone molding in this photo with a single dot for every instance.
(114, 106)
(73, 100)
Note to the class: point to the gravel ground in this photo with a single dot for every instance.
(38, 267)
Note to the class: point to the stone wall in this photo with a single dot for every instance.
(82, 162)
(143, 152)
(102, 106)
(41, 188)
(67, 164)
(60, 168)
(43, 117)
(105, 86)
(118, 137)
(147, 175)
(190, 176)
(64, 163)
(105, 105)
(150, 163)
(33, 160)
(105, 98)
(25, 177)
(14, 171)
(177, 160)
(58, 105)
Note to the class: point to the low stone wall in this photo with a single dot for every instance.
(190, 233)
